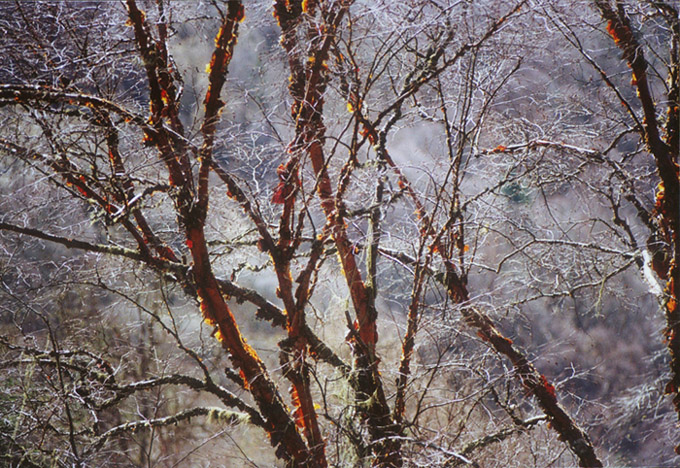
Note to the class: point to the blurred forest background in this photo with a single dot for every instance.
(345, 233)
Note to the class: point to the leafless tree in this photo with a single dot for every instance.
(370, 201)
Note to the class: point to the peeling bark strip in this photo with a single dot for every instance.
(280, 427)
(162, 99)
(218, 68)
(307, 85)
(295, 348)
(192, 210)
(308, 82)
(664, 149)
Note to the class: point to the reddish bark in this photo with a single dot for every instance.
(193, 206)
(537, 385)
(456, 286)
(307, 86)
(217, 313)
(666, 212)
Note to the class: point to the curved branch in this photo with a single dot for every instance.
(218, 414)
(537, 384)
